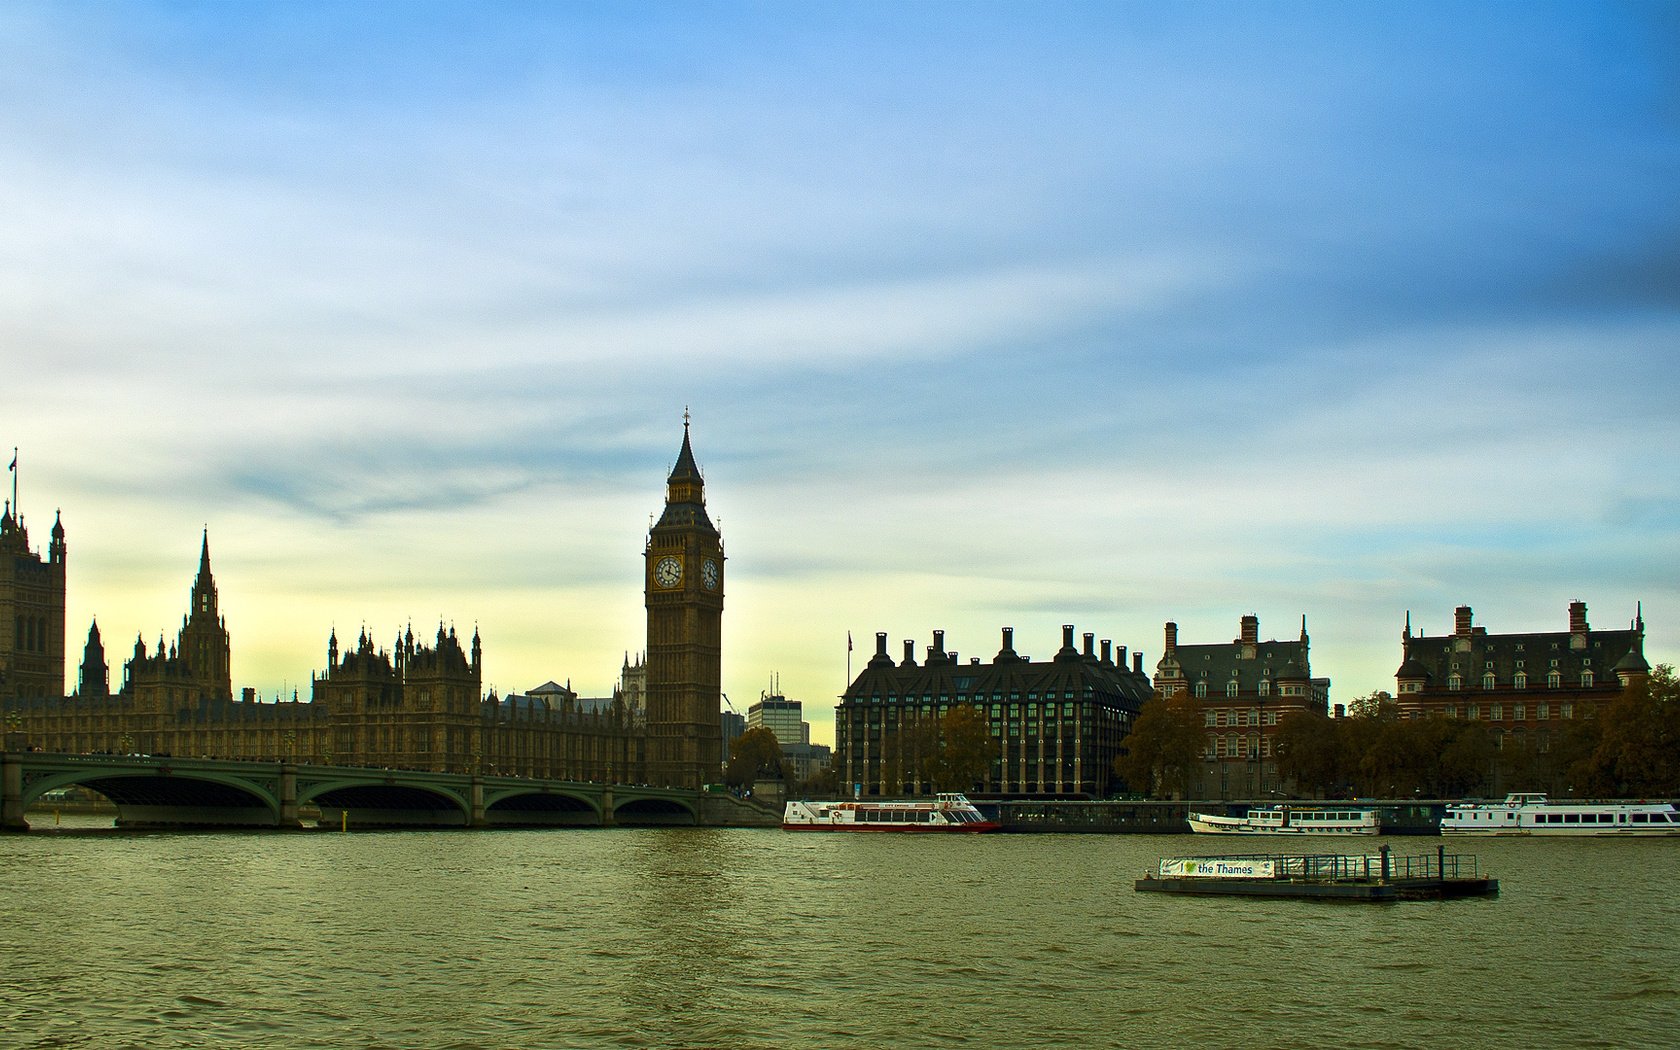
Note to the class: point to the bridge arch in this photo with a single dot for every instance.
(654, 812)
(163, 797)
(527, 808)
(380, 802)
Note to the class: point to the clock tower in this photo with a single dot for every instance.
(683, 585)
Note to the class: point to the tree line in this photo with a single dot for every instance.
(1628, 747)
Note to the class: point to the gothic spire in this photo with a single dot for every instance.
(685, 470)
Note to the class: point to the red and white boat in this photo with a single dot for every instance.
(943, 812)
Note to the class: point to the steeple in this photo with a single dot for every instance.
(685, 468)
(96, 674)
(204, 642)
(204, 596)
(204, 557)
(685, 491)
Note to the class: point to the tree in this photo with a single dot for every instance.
(967, 750)
(756, 755)
(1378, 706)
(1163, 748)
(1638, 734)
(1309, 750)
(910, 755)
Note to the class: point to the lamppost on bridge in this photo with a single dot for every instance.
(14, 727)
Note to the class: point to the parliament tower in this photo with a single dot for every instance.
(31, 611)
(684, 598)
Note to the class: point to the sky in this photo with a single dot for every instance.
(986, 315)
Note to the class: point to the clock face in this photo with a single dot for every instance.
(709, 574)
(668, 573)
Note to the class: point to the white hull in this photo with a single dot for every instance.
(1283, 820)
(944, 813)
(1533, 815)
(1584, 833)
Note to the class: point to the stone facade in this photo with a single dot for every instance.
(412, 706)
(31, 611)
(683, 593)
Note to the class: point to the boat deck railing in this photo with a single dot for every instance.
(1338, 867)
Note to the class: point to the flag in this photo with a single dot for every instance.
(848, 641)
(13, 469)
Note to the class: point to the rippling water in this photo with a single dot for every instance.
(736, 938)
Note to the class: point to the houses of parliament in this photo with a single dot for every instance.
(417, 704)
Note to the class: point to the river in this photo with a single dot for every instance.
(745, 939)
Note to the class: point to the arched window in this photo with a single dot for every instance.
(1586, 678)
(1231, 687)
(1201, 689)
(1455, 682)
(1265, 687)
(1489, 681)
(1553, 680)
(1520, 680)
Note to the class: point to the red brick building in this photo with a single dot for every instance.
(1245, 687)
(1524, 686)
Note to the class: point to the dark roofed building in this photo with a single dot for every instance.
(1524, 686)
(1246, 686)
(1057, 724)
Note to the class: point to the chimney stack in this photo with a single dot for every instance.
(1172, 637)
(1107, 651)
(1250, 629)
(1578, 617)
(1090, 642)
(1007, 652)
(1137, 662)
(1461, 621)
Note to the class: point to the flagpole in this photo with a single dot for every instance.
(15, 515)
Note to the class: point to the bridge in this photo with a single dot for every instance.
(162, 792)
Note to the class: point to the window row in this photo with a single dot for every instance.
(1554, 680)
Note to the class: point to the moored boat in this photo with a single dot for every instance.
(943, 812)
(1290, 820)
(1531, 813)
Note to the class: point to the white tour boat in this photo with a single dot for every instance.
(1527, 813)
(1289, 820)
(943, 812)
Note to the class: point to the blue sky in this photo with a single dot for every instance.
(987, 314)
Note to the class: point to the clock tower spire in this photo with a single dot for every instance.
(683, 588)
